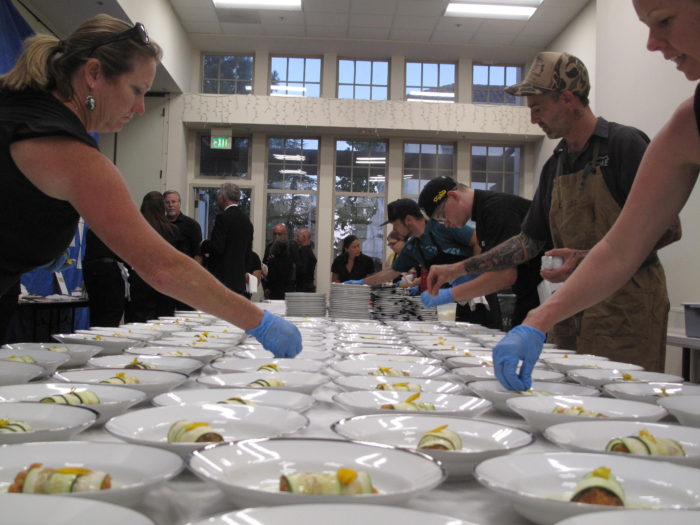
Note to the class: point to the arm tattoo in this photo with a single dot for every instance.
(514, 251)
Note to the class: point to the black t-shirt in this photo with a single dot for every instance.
(361, 268)
(620, 151)
(34, 228)
(191, 234)
(96, 249)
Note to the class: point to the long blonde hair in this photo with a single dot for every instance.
(48, 64)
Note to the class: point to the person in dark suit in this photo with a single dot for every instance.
(227, 251)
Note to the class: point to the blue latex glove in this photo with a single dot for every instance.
(414, 290)
(358, 281)
(280, 337)
(464, 279)
(522, 343)
(444, 296)
(60, 263)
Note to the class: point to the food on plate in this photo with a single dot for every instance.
(400, 387)
(388, 371)
(121, 379)
(85, 397)
(38, 480)
(409, 404)
(440, 438)
(20, 359)
(266, 383)
(237, 401)
(176, 353)
(628, 377)
(646, 444)
(343, 481)
(532, 392)
(10, 426)
(576, 410)
(663, 392)
(186, 431)
(139, 365)
(269, 368)
(599, 487)
(56, 348)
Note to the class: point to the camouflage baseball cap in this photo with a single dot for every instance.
(552, 71)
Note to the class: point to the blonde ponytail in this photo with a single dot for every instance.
(31, 69)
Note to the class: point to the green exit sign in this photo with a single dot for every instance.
(221, 143)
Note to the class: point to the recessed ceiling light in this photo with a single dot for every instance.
(282, 5)
(516, 10)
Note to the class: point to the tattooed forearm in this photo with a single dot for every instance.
(514, 251)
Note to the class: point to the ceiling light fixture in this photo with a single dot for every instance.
(279, 5)
(500, 9)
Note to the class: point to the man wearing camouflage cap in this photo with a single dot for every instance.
(582, 189)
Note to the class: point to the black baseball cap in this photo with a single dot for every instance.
(398, 210)
(434, 193)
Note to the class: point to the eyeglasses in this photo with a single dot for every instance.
(138, 33)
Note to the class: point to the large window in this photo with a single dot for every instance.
(360, 181)
(497, 168)
(423, 162)
(224, 162)
(227, 74)
(363, 79)
(295, 77)
(430, 82)
(292, 184)
(488, 83)
(206, 210)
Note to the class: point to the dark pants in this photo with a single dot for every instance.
(488, 317)
(105, 287)
(146, 303)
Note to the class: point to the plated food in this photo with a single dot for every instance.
(261, 397)
(186, 431)
(440, 438)
(344, 481)
(599, 487)
(377, 402)
(303, 382)
(37, 479)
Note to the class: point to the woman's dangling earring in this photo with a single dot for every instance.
(90, 101)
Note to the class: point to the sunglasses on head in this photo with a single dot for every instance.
(138, 33)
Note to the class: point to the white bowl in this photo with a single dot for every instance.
(202, 355)
(337, 513)
(239, 364)
(481, 360)
(304, 382)
(685, 409)
(593, 436)
(30, 509)
(139, 335)
(257, 396)
(421, 360)
(650, 392)
(167, 363)
(306, 353)
(181, 343)
(49, 422)
(498, 394)
(461, 352)
(537, 411)
(371, 383)
(480, 439)
(150, 426)
(600, 377)
(46, 359)
(210, 336)
(351, 367)
(13, 373)
(135, 469)
(485, 373)
(370, 401)
(114, 400)
(564, 364)
(635, 517)
(78, 354)
(153, 326)
(383, 350)
(249, 470)
(539, 485)
(152, 382)
(109, 345)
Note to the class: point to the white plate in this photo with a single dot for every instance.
(497, 394)
(49, 422)
(537, 411)
(202, 355)
(369, 402)
(153, 326)
(113, 399)
(181, 343)
(354, 368)
(593, 436)
(600, 377)
(564, 364)
(304, 382)
(46, 359)
(485, 373)
(135, 469)
(139, 335)
(539, 485)
(306, 353)
(371, 382)
(249, 470)
(650, 392)
(480, 439)
(32, 509)
(483, 360)
(152, 382)
(384, 350)
(239, 364)
(183, 365)
(150, 426)
(685, 409)
(421, 360)
(259, 396)
(13, 373)
(461, 352)
(206, 336)
(109, 345)
(337, 514)
(78, 354)
(635, 517)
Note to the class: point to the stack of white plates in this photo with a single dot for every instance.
(350, 301)
(391, 303)
(300, 304)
